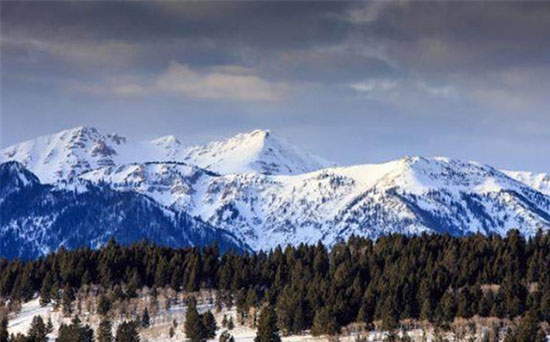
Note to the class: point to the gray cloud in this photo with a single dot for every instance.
(449, 61)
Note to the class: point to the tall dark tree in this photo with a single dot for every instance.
(267, 326)
(145, 319)
(324, 323)
(105, 331)
(4, 335)
(127, 332)
(209, 324)
(38, 331)
(103, 305)
(75, 332)
(67, 300)
(46, 290)
(194, 327)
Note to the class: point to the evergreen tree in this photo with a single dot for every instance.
(267, 326)
(224, 321)
(105, 331)
(527, 330)
(4, 335)
(67, 300)
(209, 324)
(171, 332)
(75, 332)
(324, 322)
(194, 327)
(145, 320)
(54, 294)
(230, 324)
(46, 290)
(127, 332)
(49, 325)
(38, 331)
(103, 305)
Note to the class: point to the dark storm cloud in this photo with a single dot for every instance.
(423, 36)
(467, 61)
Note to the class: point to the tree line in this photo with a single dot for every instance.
(433, 278)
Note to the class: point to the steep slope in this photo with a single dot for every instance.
(66, 154)
(36, 219)
(14, 177)
(172, 184)
(538, 181)
(410, 195)
(258, 151)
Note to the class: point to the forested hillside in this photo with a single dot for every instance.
(435, 278)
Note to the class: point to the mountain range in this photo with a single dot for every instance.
(252, 191)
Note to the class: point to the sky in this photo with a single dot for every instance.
(353, 82)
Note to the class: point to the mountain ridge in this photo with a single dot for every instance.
(283, 195)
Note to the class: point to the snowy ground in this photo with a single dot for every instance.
(161, 323)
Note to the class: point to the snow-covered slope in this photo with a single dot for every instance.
(36, 219)
(538, 181)
(69, 153)
(258, 151)
(410, 195)
(65, 154)
(267, 192)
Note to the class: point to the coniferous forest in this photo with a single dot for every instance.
(430, 278)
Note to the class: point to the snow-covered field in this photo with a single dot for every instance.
(161, 323)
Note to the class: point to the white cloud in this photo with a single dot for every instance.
(233, 83)
(219, 82)
(367, 12)
(374, 85)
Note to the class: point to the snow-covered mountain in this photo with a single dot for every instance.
(66, 154)
(258, 151)
(538, 181)
(36, 219)
(410, 195)
(266, 192)
(69, 153)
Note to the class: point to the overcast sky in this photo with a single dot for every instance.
(354, 82)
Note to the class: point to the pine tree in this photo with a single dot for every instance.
(67, 300)
(4, 335)
(230, 324)
(54, 294)
(127, 332)
(75, 332)
(171, 332)
(49, 325)
(224, 321)
(267, 326)
(46, 290)
(209, 323)
(105, 331)
(103, 305)
(324, 322)
(145, 320)
(194, 327)
(38, 331)
(527, 330)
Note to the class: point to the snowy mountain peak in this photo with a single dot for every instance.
(538, 181)
(14, 177)
(16, 173)
(169, 140)
(65, 154)
(257, 151)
